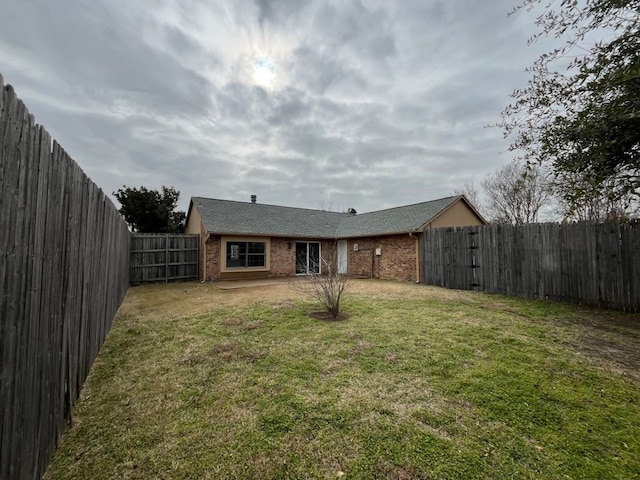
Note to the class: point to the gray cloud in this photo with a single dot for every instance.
(373, 104)
(319, 72)
(279, 11)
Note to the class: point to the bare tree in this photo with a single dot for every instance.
(516, 192)
(470, 191)
(327, 286)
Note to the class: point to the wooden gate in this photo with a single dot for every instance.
(164, 257)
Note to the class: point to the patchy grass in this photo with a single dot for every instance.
(419, 382)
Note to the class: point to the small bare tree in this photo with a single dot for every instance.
(327, 286)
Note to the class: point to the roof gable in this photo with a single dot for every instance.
(461, 199)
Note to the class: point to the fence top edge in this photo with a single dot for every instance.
(623, 224)
(136, 234)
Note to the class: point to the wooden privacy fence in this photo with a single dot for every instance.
(164, 257)
(585, 263)
(63, 274)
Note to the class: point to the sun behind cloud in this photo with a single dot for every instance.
(264, 72)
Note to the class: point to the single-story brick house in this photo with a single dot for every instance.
(242, 240)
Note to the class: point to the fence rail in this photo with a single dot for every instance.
(584, 263)
(64, 258)
(164, 257)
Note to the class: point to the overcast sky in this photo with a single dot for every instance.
(327, 103)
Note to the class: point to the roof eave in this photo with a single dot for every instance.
(270, 234)
(484, 220)
(384, 234)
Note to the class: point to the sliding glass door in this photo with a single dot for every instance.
(307, 258)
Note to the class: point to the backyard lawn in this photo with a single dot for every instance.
(195, 382)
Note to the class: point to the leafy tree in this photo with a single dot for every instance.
(516, 193)
(150, 211)
(583, 118)
(581, 200)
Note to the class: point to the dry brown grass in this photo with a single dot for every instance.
(193, 299)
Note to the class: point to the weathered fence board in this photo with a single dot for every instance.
(584, 263)
(63, 274)
(164, 257)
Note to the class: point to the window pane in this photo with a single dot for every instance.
(256, 260)
(239, 262)
(256, 247)
(314, 257)
(301, 257)
(236, 256)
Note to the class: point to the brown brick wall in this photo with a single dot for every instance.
(397, 262)
(283, 258)
(359, 263)
(203, 251)
(398, 259)
(212, 258)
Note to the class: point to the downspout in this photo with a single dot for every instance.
(417, 239)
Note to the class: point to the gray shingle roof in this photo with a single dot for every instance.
(393, 220)
(231, 217)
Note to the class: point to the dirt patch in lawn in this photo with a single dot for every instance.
(623, 357)
(326, 316)
(610, 338)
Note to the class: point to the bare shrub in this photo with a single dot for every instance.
(327, 286)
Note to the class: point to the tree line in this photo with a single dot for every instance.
(519, 193)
